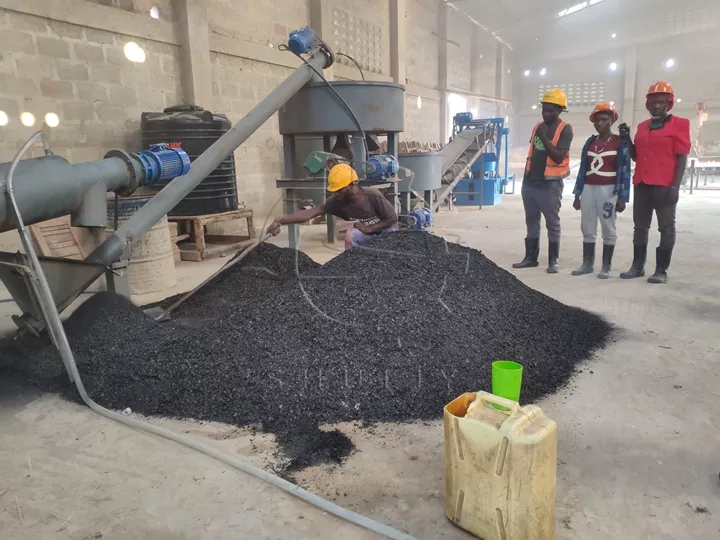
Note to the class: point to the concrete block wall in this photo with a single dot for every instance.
(421, 122)
(261, 23)
(238, 85)
(367, 32)
(422, 42)
(81, 74)
(459, 52)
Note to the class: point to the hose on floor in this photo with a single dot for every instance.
(57, 333)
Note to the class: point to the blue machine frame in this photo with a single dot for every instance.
(463, 121)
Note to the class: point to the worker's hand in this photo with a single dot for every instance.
(620, 207)
(274, 228)
(673, 196)
(362, 227)
(624, 130)
(542, 131)
(576, 202)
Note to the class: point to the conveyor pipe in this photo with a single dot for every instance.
(112, 249)
(50, 187)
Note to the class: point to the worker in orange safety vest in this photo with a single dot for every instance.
(548, 164)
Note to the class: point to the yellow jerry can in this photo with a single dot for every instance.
(500, 468)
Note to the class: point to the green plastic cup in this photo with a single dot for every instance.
(506, 381)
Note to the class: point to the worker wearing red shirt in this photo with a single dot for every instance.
(660, 150)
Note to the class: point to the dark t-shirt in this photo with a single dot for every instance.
(538, 159)
(373, 207)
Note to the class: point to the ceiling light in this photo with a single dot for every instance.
(572, 9)
(419, 102)
(614, 35)
(534, 107)
(543, 71)
(527, 72)
(155, 12)
(134, 52)
(52, 119)
(669, 63)
(27, 119)
(678, 100)
(612, 103)
(4, 118)
(613, 66)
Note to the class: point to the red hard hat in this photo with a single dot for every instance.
(662, 87)
(604, 107)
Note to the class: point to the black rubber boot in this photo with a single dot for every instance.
(532, 252)
(588, 264)
(553, 257)
(637, 269)
(606, 262)
(662, 262)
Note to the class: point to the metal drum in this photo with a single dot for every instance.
(427, 169)
(151, 265)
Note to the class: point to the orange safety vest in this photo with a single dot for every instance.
(553, 171)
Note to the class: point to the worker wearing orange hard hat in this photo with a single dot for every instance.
(547, 165)
(371, 212)
(660, 150)
(602, 188)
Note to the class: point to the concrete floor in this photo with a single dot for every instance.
(638, 429)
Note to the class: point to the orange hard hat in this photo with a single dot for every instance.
(604, 107)
(662, 87)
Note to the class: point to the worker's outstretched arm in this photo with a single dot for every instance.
(301, 216)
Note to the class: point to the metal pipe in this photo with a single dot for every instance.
(113, 248)
(51, 187)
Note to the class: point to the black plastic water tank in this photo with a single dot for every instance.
(194, 129)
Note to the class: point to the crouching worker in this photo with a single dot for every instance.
(602, 188)
(366, 206)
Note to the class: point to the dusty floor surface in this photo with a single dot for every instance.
(638, 430)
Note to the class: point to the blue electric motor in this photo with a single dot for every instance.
(163, 163)
(302, 41)
(383, 166)
(463, 118)
(423, 219)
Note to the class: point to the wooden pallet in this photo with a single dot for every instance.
(200, 245)
(56, 238)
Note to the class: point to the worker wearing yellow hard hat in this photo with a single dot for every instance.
(660, 150)
(547, 165)
(602, 188)
(367, 207)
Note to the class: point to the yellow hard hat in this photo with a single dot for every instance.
(341, 176)
(556, 97)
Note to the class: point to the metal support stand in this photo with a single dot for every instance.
(405, 202)
(117, 279)
(429, 200)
